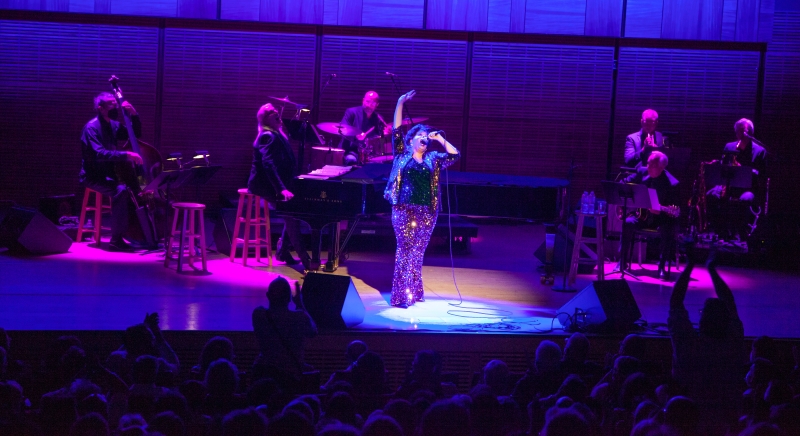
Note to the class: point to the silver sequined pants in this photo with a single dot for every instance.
(413, 226)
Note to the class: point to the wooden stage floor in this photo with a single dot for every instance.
(91, 289)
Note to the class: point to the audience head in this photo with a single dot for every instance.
(574, 388)
(167, 424)
(762, 429)
(404, 413)
(495, 375)
(764, 347)
(624, 366)
(302, 408)
(647, 427)
(342, 408)
(11, 400)
(635, 389)
(144, 370)
(354, 350)
(633, 345)
(139, 340)
(445, 418)
(566, 422)
(93, 403)
(548, 356)
(369, 372)
(315, 405)
(381, 425)
(222, 378)
(426, 363)
(218, 347)
(290, 423)
(645, 410)
(339, 429)
(279, 293)
(576, 348)
(92, 424)
(245, 422)
(682, 415)
(715, 319)
(762, 371)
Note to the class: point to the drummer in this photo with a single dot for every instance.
(367, 122)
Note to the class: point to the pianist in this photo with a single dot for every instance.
(273, 169)
(413, 190)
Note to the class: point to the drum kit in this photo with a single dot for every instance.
(376, 149)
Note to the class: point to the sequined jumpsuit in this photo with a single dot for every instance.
(413, 190)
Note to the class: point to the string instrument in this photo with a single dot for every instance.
(141, 228)
(671, 211)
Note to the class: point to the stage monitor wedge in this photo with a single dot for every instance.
(604, 306)
(332, 301)
(28, 231)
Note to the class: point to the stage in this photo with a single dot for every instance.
(89, 288)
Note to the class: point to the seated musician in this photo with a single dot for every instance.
(274, 167)
(367, 122)
(646, 137)
(100, 153)
(655, 176)
(742, 152)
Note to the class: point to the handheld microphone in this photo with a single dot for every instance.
(435, 132)
(391, 74)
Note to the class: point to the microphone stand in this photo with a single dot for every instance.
(564, 287)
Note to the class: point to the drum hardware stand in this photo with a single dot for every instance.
(564, 287)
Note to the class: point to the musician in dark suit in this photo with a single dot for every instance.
(414, 192)
(742, 152)
(654, 176)
(366, 121)
(274, 167)
(100, 154)
(646, 137)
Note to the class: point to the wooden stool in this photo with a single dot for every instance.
(579, 239)
(98, 209)
(257, 217)
(192, 213)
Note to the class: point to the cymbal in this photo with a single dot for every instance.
(284, 100)
(414, 120)
(328, 149)
(338, 129)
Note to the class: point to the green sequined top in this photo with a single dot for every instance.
(416, 187)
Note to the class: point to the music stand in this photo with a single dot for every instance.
(629, 196)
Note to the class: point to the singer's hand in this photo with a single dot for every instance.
(406, 97)
(287, 195)
(436, 136)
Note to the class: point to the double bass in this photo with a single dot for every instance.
(141, 227)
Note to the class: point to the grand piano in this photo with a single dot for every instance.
(359, 193)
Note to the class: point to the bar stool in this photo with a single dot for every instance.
(192, 214)
(98, 208)
(579, 239)
(256, 217)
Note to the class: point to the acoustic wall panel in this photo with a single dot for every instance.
(534, 108)
(698, 94)
(459, 15)
(782, 110)
(393, 13)
(565, 17)
(49, 76)
(643, 18)
(435, 69)
(214, 83)
(692, 19)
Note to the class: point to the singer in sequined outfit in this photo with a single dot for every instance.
(413, 190)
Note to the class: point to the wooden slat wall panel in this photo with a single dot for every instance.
(518, 15)
(292, 11)
(782, 110)
(248, 10)
(197, 9)
(534, 108)
(81, 6)
(361, 63)
(692, 19)
(747, 16)
(49, 75)
(699, 94)
(499, 19)
(603, 17)
(765, 20)
(349, 12)
(214, 83)
(393, 13)
(643, 18)
(565, 17)
(152, 8)
(729, 19)
(458, 15)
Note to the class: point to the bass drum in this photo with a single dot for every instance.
(379, 149)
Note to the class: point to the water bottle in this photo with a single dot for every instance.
(591, 202)
(584, 202)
